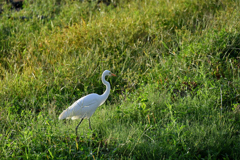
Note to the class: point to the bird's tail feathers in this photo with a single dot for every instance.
(63, 115)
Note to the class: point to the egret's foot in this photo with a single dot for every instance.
(93, 135)
(77, 139)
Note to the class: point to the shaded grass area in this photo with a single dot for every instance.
(176, 94)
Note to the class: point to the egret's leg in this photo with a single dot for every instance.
(89, 124)
(78, 125)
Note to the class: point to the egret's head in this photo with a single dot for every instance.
(108, 73)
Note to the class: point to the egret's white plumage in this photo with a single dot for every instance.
(87, 105)
(82, 108)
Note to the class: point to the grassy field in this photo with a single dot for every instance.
(176, 94)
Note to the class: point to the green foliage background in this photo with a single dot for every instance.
(176, 94)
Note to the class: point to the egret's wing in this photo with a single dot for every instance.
(85, 112)
(83, 107)
(81, 103)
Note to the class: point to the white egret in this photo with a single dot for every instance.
(87, 105)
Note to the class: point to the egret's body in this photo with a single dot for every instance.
(87, 105)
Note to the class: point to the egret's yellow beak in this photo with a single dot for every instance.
(113, 74)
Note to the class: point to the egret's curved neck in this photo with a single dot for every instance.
(105, 95)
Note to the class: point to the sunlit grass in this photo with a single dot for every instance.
(176, 94)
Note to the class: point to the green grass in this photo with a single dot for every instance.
(176, 94)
